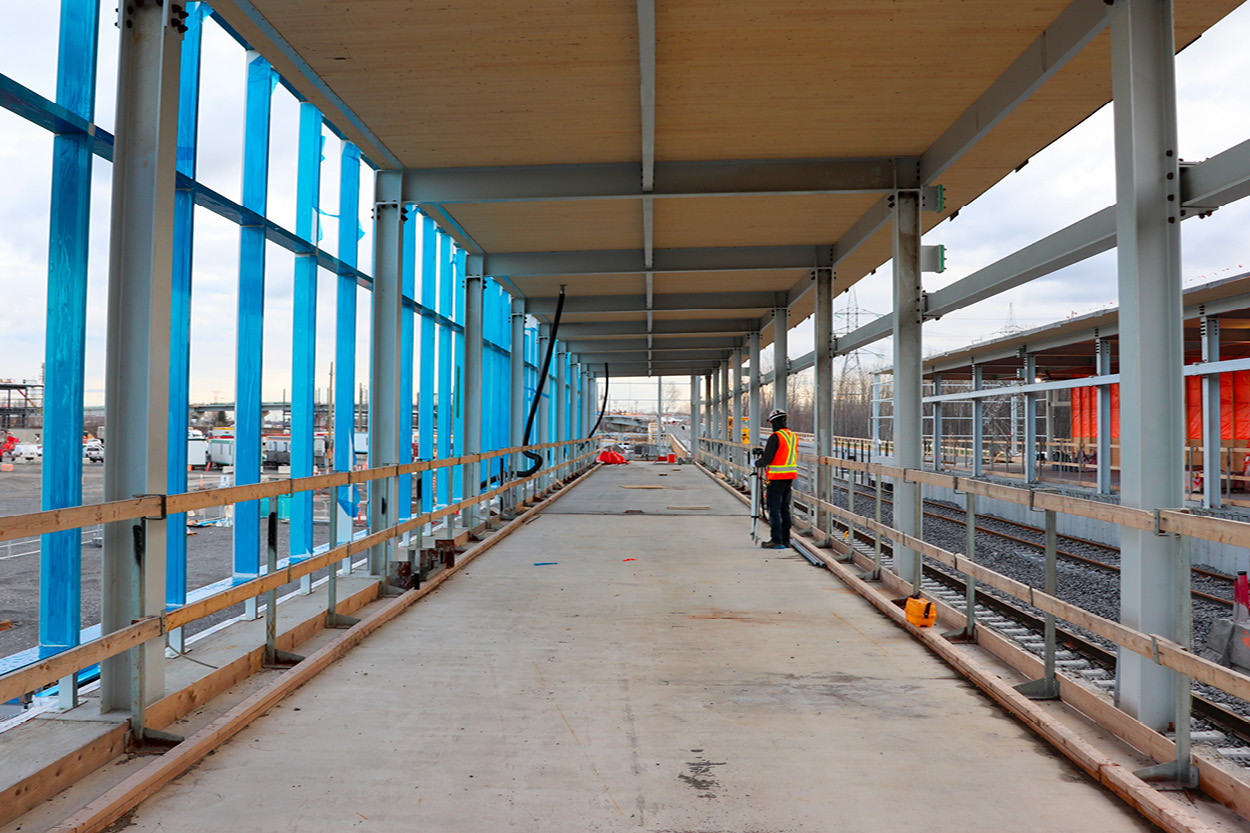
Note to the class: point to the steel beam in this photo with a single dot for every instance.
(542, 433)
(1222, 179)
(1030, 420)
(1152, 421)
(674, 302)
(634, 261)
(533, 183)
(908, 424)
(516, 387)
(704, 326)
(136, 387)
(696, 414)
(659, 357)
(658, 344)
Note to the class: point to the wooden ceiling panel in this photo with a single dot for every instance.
(740, 79)
(552, 226)
(772, 220)
(478, 82)
(779, 281)
(581, 285)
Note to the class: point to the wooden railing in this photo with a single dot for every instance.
(46, 672)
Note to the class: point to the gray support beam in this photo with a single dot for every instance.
(562, 400)
(587, 301)
(659, 345)
(474, 288)
(659, 415)
(614, 181)
(696, 413)
(634, 261)
(387, 298)
(735, 405)
(824, 388)
(726, 430)
(517, 387)
(753, 386)
(542, 431)
(1152, 431)
(136, 381)
(1102, 363)
(781, 357)
(908, 423)
(937, 423)
(680, 327)
(646, 85)
(1030, 420)
(978, 424)
(1212, 451)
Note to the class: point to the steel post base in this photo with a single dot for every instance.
(147, 741)
(340, 620)
(1040, 689)
(276, 658)
(962, 635)
(1170, 775)
(870, 575)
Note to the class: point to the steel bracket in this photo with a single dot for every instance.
(1170, 775)
(340, 620)
(1040, 689)
(163, 515)
(281, 659)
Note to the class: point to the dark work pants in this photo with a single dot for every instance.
(779, 510)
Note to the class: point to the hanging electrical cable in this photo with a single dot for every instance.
(607, 380)
(538, 394)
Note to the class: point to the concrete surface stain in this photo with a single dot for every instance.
(700, 776)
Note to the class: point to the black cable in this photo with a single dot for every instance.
(607, 380)
(538, 394)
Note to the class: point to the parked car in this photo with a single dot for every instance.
(30, 452)
(93, 452)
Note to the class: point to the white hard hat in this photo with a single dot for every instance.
(777, 414)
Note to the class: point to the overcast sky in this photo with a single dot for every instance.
(1067, 181)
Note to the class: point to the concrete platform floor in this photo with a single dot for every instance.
(626, 673)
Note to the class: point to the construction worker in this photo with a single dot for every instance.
(781, 462)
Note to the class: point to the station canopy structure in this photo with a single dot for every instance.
(684, 168)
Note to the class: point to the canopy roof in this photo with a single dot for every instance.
(682, 169)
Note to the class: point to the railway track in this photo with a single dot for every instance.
(1063, 554)
(1076, 654)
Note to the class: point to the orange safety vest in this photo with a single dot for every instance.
(785, 465)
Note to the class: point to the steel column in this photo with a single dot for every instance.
(543, 426)
(1030, 421)
(937, 423)
(696, 413)
(1102, 360)
(781, 357)
(474, 288)
(407, 337)
(137, 360)
(60, 561)
(824, 391)
(908, 423)
(978, 424)
(1212, 433)
(387, 303)
(561, 404)
(735, 412)
(753, 388)
(1151, 341)
(304, 332)
(517, 387)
